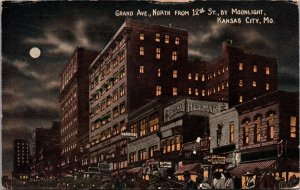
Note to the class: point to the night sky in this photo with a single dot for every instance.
(30, 87)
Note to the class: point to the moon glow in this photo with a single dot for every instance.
(35, 52)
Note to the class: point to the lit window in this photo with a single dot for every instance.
(196, 92)
(153, 122)
(241, 99)
(190, 76)
(143, 154)
(270, 127)
(157, 50)
(219, 88)
(267, 86)
(132, 157)
(142, 69)
(174, 56)
(167, 39)
(158, 90)
(267, 70)
(158, 72)
(246, 133)
(177, 40)
(196, 76)
(190, 91)
(240, 66)
(203, 92)
(254, 83)
(142, 36)
(142, 127)
(231, 130)
(157, 37)
(122, 73)
(241, 83)
(293, 124)
(223, 86)
(174, 73)
(254, 68)
(203, 77)
(122, 90)
(142, 50)
(122, 108)
(115, 95)
(174, 91)
(152, 149)
(219, 72)
(257, 129)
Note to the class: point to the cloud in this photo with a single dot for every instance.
(213, 31)
(52, 85)
(59, 44)
(251, 36)
(23, 68)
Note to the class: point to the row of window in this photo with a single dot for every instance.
(68, 125)
(171, 144)
(109, 132)
(158, 38)
(111, 64)
(145, 125)
(174, 54)
(69, 72)
(69, 99)
(213, 74)
(254, 84)
(142, 154)
(255, 68)
(70, 147)
(69, 136)
(109, 83)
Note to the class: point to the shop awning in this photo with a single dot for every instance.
(250, 167)
(134, 170)
(192, 168)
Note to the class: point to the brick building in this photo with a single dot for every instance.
(237, 76)
(74, 107)
(141, 62)
(269, 134)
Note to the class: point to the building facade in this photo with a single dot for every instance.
(237, 76)
(224, 142)
(22, 161)
(74, 107)
(269, 134)
(141, 62)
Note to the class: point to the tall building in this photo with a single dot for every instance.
(21, 163)
(141, 62)
(237, 76)
(74, 106)
(46, 151)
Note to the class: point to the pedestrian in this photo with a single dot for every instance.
(189, 183)
(293, 181)
(204, 184)
(117, 184)
(250, 184)
(267, 181)
(219, 183)
(258, 174)
(228, 180)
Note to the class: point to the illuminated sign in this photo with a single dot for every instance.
(191, 146)
(165, 164)
(128, 135)
(202, 108)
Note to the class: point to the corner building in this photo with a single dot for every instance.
(74, 107)
(141, 62)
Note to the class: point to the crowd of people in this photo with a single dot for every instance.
(260, 179)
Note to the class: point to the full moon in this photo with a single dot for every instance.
(35, 52)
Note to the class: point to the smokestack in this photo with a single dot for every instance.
(225, 45)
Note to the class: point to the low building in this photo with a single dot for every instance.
(185, 133)
(269, 134)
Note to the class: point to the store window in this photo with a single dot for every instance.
(293, 125)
